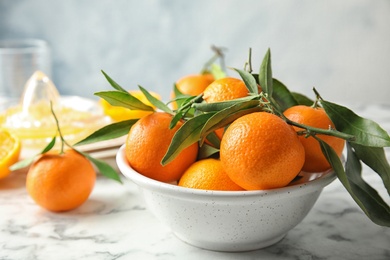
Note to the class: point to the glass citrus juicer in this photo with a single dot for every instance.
(33, 122)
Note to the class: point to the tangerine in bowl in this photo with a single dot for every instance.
(229, 221)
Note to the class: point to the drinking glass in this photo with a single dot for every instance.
(19, 59)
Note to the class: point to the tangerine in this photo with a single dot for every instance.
(225, 89)
(192, 85)
(315, 160)
(60, 182)
(195, 84)
(148, 141)
(208, 174)
(261, 151)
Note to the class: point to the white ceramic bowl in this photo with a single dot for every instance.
(229, 221)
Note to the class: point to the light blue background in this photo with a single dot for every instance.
(340, 47)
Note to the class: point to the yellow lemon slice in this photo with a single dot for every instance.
(9, 152)
(121, 113)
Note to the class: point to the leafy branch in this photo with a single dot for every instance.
(365, 138)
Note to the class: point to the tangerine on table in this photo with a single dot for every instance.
(148, 141)
(315, 160)
(60, 182)
(10, 147)
(261, 151)
(118, 113)
(225, 89)
(208, 174)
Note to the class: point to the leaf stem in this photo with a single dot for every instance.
(313, 130)
(249, 62)
(192, 101)
(218, 54)
(63, 141)
(58, 127)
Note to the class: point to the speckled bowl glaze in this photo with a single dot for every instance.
(229, 221)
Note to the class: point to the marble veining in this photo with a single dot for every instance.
(115, 224)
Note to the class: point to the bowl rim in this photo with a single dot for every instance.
(315, 182)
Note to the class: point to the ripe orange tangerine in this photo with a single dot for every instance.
(315, 161)
(148, 141)
(208, 174)
(60, 182)
(195, 84)
(261, 151)
(225, 89)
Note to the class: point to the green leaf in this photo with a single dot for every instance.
(375, 158)
(207, 151)
(302, 99)
(249, 80)
(217, 71)
(364, 195)
(180, 100)
(265, 74)
(50, 145)
(282, 95)
(218, 106)
(187, 134)
(213, 139)
(176, 118)
(22, 164)
(155, 102)
(124, 99)
(26, 162)
(366, 131)
(228, 115)
(113, 83)
(108, 132)
(104, 168)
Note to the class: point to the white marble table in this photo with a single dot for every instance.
(115, 224)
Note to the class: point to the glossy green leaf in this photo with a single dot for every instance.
(302, 99)
(375, 158)
(176, 118)
(104, 168)
(26, 162)
(282, 95)
(108, 132)
(124, 99)
(113, 83)
(228, 115)
(218, 106)
(364, 195)
(213, 139)
(207, 151)
(249, 80)
(366, 131)
(187, 134)
(265, 74)
(180, 98)
(50, 145)
(155, 102)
